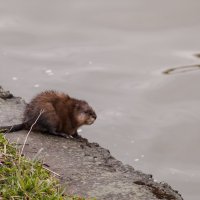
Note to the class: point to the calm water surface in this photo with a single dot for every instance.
(134, 61)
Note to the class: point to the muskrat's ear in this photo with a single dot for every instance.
(77, 106)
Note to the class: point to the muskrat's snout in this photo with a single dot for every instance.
(92, 118)
(94, 115)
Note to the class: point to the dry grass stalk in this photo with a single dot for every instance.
(30, 131)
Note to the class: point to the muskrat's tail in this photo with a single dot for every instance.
(13, 128)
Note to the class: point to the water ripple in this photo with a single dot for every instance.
(181, 69)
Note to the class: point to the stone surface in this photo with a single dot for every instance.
(85, 168)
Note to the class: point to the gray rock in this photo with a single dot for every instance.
(85, 169)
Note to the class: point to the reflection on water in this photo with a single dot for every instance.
(197, 55)
(182, 69)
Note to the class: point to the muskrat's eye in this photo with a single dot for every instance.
(77, 106)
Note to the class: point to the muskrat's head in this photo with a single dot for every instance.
(84, 114)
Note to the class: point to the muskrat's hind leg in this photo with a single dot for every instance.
(50, 122)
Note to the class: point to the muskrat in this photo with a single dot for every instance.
(60, 115)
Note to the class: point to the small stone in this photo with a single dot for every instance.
(49, 72)
(36, 85)
(14, 78)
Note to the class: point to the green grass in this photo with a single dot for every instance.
(21, 178)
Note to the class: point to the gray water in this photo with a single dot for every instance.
(136, 62)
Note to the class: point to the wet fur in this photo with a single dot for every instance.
(62, 115)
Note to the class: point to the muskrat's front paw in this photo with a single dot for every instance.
(77, 136)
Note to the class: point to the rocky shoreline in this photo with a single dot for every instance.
(84, 168)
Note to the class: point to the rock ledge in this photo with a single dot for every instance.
(85, 168)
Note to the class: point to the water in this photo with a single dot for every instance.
(136, 62)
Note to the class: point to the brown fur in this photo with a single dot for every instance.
(62, 115)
